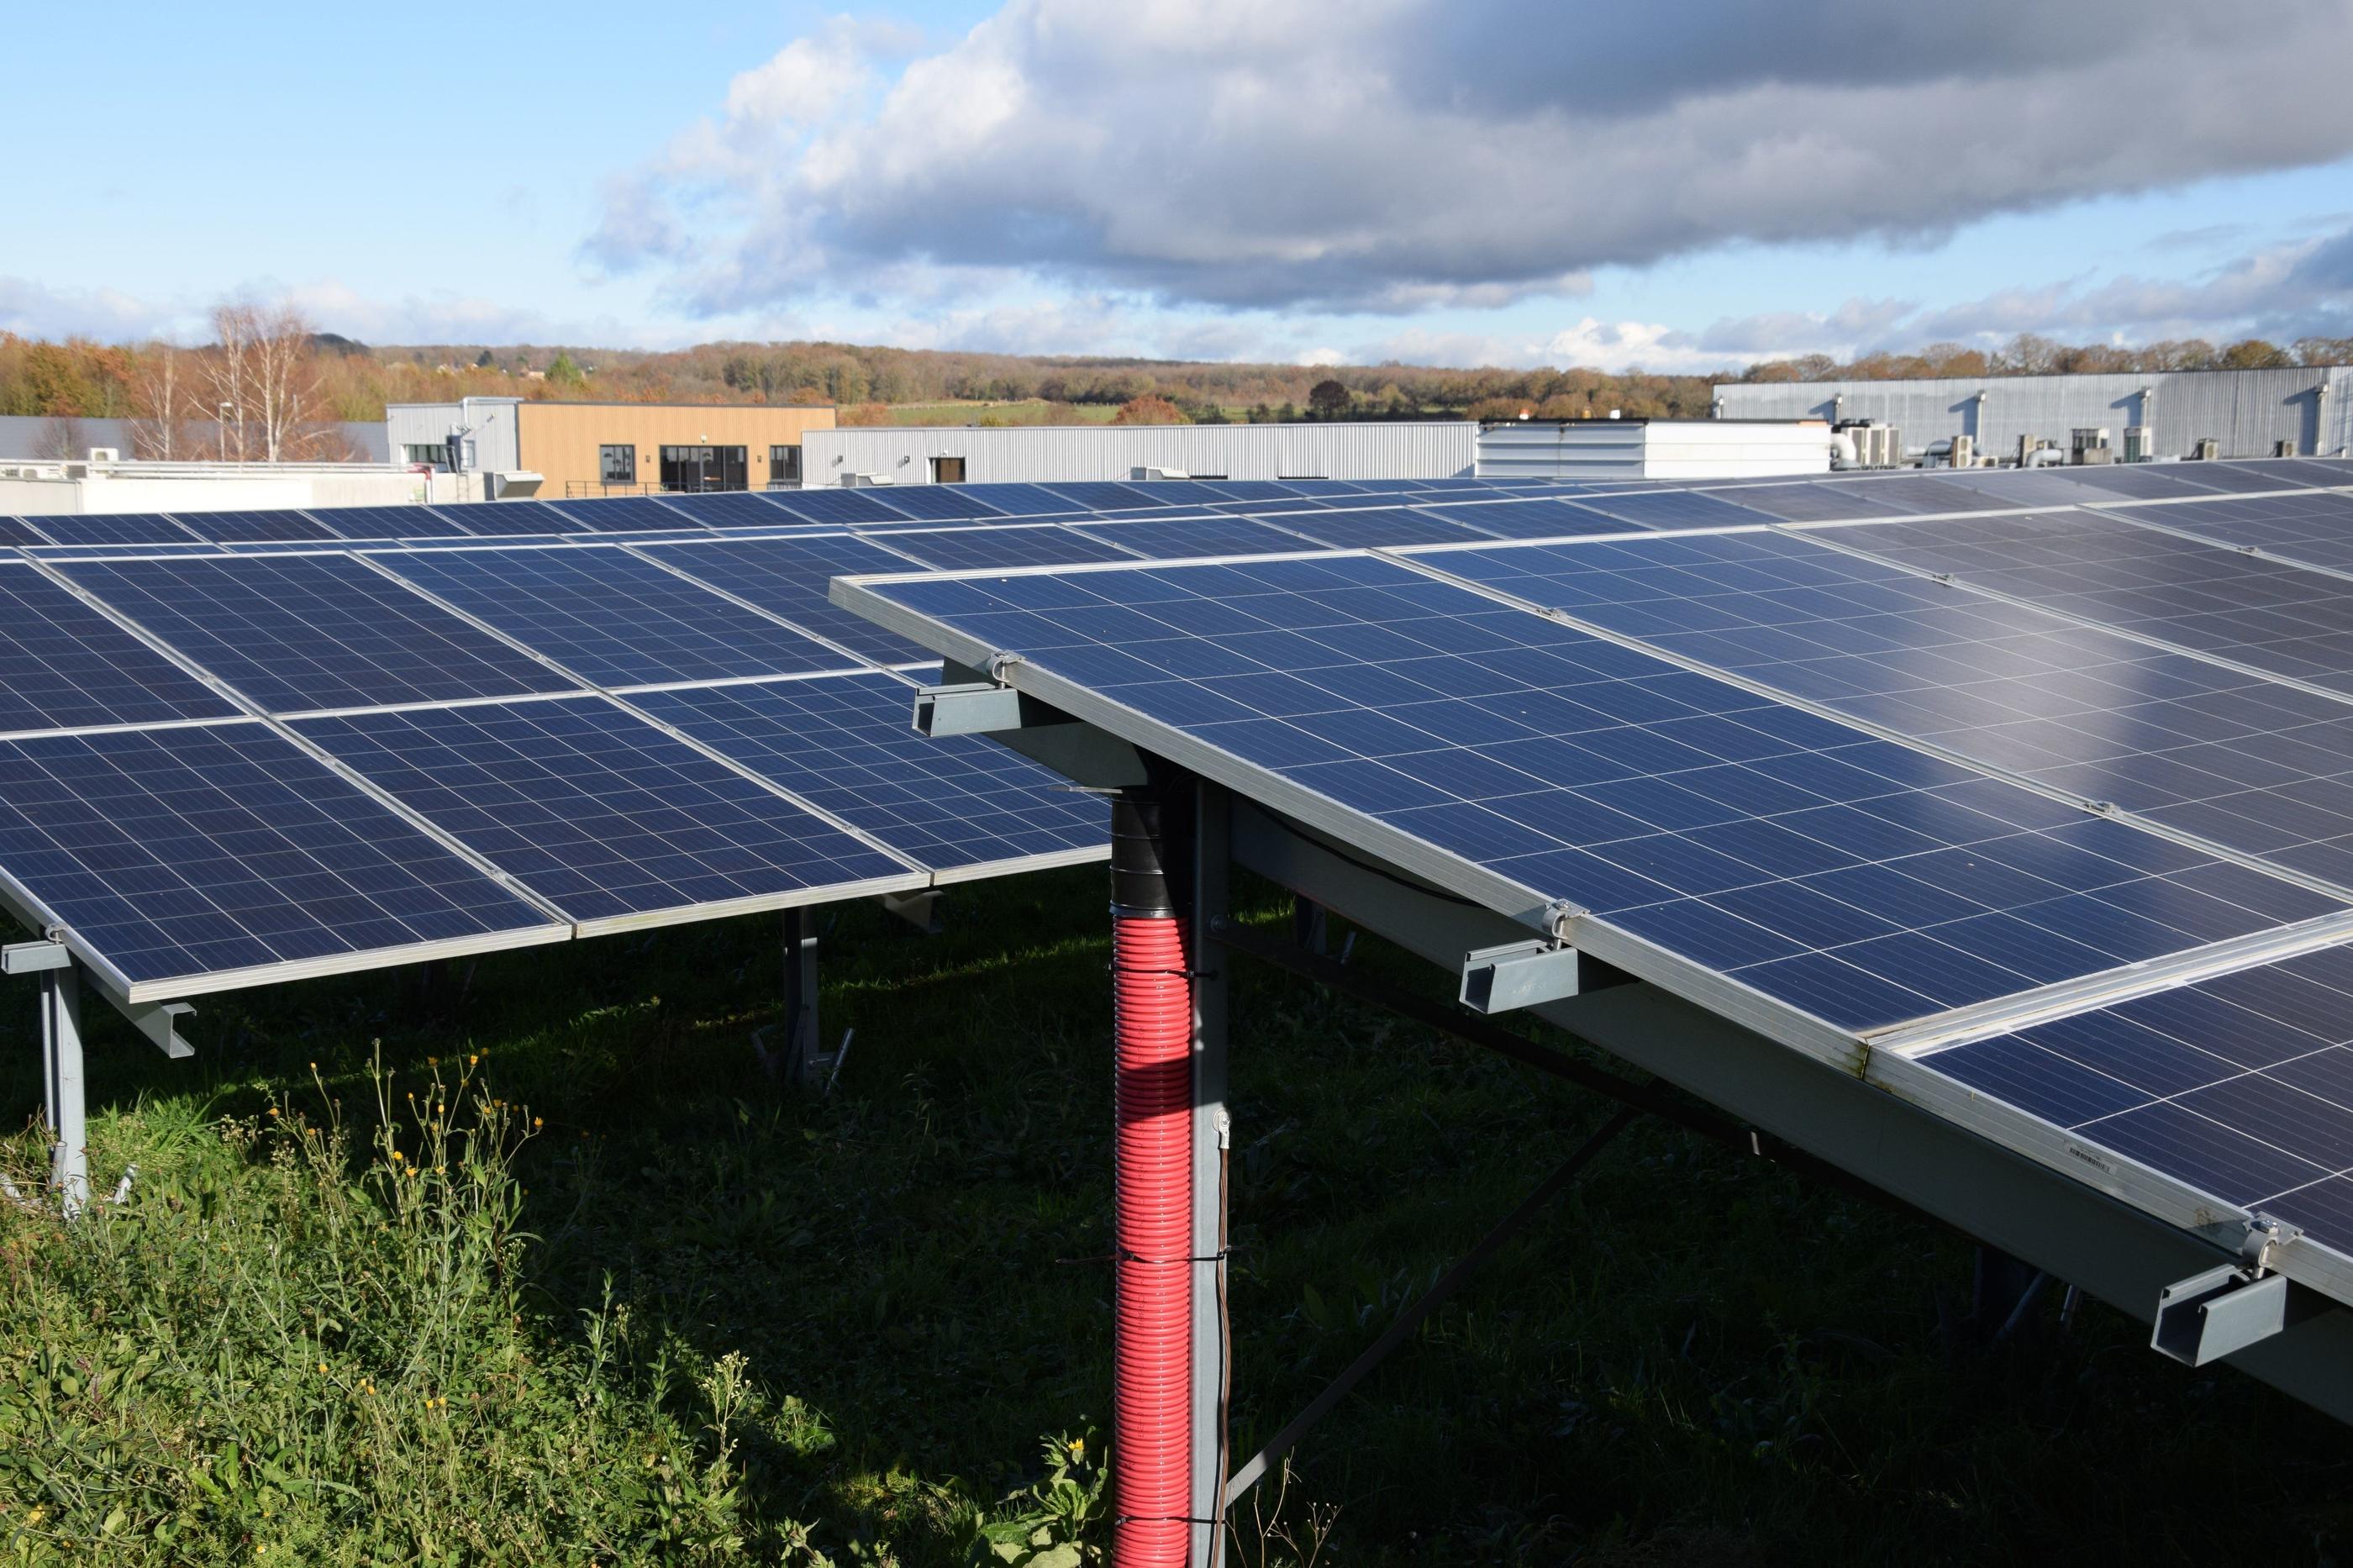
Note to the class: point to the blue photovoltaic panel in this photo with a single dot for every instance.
(624, 514)
(374, 522)
(63, 664)
(837, 504)
(2239, 760)
(1279, 505)
(1183, 492)
(2315, 527)
(1677, 509)
(1808, 502)
(2274, 616)
(2045, 487)
(1018, 500)
(1103, 495)
(1855, 879)
(180, 853)
(789, 577)
(142, 552)
(2148, 481)
(2240, 1087)
(508, 520)
(248, 527)
(595, 809)
(610, 617)
(1526, 519)
(13, 531)
(1023, 544)
(732, 508)
(939, 503)
(843, 743)
(1324, 487)
(120, 528)
(2278, 473)
(1376, 527)
(1250, 490)
(1177, 538)
(297, 632)
(1907, 494)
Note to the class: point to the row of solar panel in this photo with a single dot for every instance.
(1852, 497)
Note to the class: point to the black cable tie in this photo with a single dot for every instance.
(1124, 1255)
(1179, 973)
(1161, 1518)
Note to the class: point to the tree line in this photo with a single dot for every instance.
(268, 385)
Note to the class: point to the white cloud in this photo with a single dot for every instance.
(1457, 154)
(36, 310)
(1321, 356)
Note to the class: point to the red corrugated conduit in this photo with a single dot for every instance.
(1151, 1220)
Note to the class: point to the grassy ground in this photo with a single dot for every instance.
(640, 1305)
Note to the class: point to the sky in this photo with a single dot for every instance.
(1449, 182)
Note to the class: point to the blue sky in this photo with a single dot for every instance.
(1444, 184)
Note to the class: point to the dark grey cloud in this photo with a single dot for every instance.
(1412, 154)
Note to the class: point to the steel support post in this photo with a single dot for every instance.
(1212, 1148)
(1308, 926)
(803, 1060)
(62, 1087)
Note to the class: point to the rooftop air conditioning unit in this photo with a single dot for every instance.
(1144, 473)
(106, 454)
(1963, 452)
(2137, 443)
(865, 481)
(2206, 449)
(2285, 448)
(2088, 444)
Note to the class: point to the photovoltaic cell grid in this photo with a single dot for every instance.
(1527, 519)
(118, 527)
(732, 508)
(595, 810)
(1179, 538)
(297, 632)
(2240, 1086)
(2274, 616)
(1376, 527)
(13, 531)
(624, 514)
(1855, 878)
(940, 503)
(836, 506)
(182, 853)
(789, 577)
(2238, 759)
(843, 743)
(248, 527)
(389, 522)
(2315, 527)
(1104, 495)
(1677, 509)
(63, 664)
(506, 518)
(983, 548)
(611, 617)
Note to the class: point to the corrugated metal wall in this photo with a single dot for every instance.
(902, 453)
(1663, 449)
(34, 436)
(2248, 411)
(429, 424)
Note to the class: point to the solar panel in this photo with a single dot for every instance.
(731, 509)
(117, 528)
(223, 527)
(1677, 509)
(788, 577)
(508, 520)
(1323, 486)
(1023, 544)
(2317, 527)
(1526, 519)
(1101, 495)
(2043, 486)
(13, 531)
(598, 812)
(2244, 478)
(181, 854)
(1373, 528)
(938, 503)
(610, 617)
(2242, 762)
(837, 504)
(1178, 538)
(1856, 879)
(64, 664)
(2290, 472)
(1808, 502)
(843, 743)
(1914, 494)
(297, 632)
(1250, 490)
(624, 514)
(2240, 1087)
(1184, 492)
(2274, 615)
(1018, 500)
(385, 522)
(1278, 507)
(2143, 482)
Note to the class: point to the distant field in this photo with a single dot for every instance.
(694, 1317)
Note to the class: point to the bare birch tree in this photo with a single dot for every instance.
(163, 402)
(226, 371)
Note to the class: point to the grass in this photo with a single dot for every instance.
(640, 1305)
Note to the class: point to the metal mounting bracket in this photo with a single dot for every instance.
(2207, 1315)
(1519, 974)
(32, 957)
(159, 1021)
(919, 907)
(972, 704)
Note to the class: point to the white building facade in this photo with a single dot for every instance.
(950, 453)
(1653, 448)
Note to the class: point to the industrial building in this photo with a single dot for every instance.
(39, 438)
(1653, 448)
(952, 454)
(101, 482)
(2301, 410)
(609, 448)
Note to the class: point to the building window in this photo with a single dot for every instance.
(436, 453)
(617, 465)
(947, 470)
(784, 465)
(692, 468)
